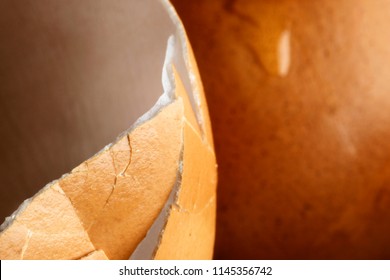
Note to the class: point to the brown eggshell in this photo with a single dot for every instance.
(298, 95)
(194, 208)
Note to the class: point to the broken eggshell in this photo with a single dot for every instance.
(149, 194)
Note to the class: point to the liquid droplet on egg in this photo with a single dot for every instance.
(283, 53)
(275, 53)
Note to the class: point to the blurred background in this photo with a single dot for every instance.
(299, 98)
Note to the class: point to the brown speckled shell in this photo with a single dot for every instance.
(304, 159)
